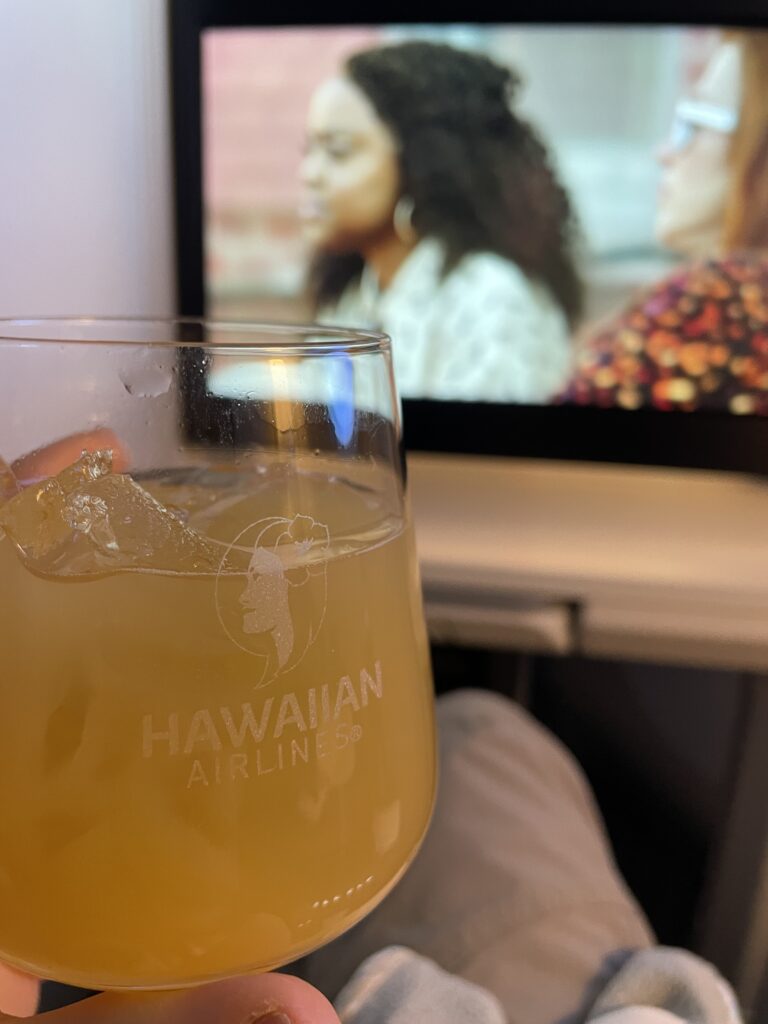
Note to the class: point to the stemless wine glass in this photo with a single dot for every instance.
(216, 722)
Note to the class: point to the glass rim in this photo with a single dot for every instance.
(269, 336)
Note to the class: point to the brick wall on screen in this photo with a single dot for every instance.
(256, 87)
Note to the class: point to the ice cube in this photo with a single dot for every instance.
(89, 520)
(138, 531)
(90, 515)
(34, 519)
(34, 522)
(8, 484)
(89, 467)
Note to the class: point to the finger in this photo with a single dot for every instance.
(19, 993)
(246, 1000)
(51, 459)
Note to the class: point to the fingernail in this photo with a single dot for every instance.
(271, 1017)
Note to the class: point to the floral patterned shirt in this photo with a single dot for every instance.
(697, 340)
(483, 332)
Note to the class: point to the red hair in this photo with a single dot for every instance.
(746, 213)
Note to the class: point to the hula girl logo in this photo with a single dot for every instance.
(275, 609)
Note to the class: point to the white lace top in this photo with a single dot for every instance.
(485, 332)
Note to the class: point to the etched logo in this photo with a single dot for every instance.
(272, 591)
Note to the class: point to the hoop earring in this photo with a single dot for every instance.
(402, 219)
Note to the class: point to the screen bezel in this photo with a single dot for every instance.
(701, 440)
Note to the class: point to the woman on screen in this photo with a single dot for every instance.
(435, 216)
(699, 338)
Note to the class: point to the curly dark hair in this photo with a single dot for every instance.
(479, 176)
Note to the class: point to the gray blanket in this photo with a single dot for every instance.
(655, 986)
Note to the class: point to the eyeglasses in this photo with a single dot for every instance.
(692, 114)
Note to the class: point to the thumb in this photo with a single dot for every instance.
(247, 1000)
(19, 993)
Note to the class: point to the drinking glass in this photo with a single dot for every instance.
(216, 716)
